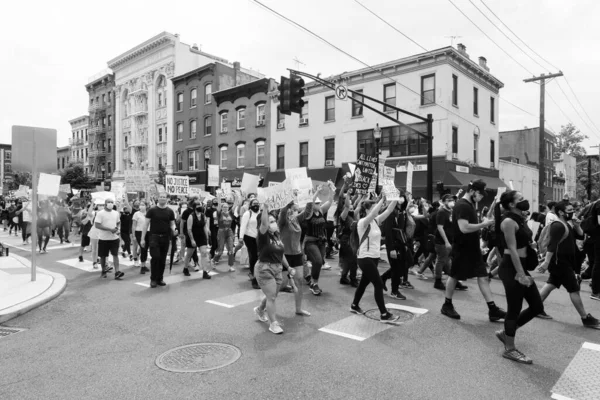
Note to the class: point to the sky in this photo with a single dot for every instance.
(50, 49)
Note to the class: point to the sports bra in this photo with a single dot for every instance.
(523, 235)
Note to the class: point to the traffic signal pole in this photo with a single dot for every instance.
(429, 120)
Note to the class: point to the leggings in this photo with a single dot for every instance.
(63, 229)
(126, 238)
(370, 274)
(395, 270)
(43, 236)
(347, 260)
(315, 252)
(24, 226)
(214, 241)
(515, 293)
(225, 237)
(250, 243)
(143, 250)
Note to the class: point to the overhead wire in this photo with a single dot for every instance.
(581, 105)
(572, 105)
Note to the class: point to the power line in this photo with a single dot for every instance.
(576, 98)
(572, 105)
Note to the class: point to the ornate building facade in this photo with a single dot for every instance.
(79, 141)
(102, 125)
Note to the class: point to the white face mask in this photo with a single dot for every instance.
(273, 226)
(451, 204)
(109, 206)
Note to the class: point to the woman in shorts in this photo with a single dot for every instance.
(87, 215)
(137, 224)
(196, 236)
(44, 222)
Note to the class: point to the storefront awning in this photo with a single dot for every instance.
(461, 179)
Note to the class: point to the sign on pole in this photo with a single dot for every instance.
(177, 185)
(409, 177)
(341, 92)
(213, 176)
(48, 184)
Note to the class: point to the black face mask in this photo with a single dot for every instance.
(568, 216)
(199, 208)
(351, 213)
(523, 205)
(255, 208)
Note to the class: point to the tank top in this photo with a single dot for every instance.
(316, 226)
(523, 235)
(225, 220)
(198, 226)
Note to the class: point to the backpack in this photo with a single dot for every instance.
(355, 243)
(589, 219)
(544, 239)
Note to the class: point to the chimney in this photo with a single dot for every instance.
(236, 69)
(483, 63)
(462, 49)
(195, 46)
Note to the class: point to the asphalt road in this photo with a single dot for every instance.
(100, 339)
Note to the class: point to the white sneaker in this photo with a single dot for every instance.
(262, 315)
(275, 328)
(413, 271)
(326, 267)
(231, 269)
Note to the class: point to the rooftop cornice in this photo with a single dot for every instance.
(148, 45)
(198, 72)
(246, 90)
(81, 118)
(109, 78)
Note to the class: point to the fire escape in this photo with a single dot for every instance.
(135, 152)
(99, 153)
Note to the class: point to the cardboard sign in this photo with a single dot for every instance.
(176, 185)
(249, 183)
(226, 188)
(293, 174)
(118, 188)
(137, 180)
(277, 197)
(365, 170)
(213, 176)
(409, 176)
(48, 184)
(66, 188)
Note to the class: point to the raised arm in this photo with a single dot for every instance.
(390, 208)
(264, 223)
(373, 213)
(346, 210)
(283, 219)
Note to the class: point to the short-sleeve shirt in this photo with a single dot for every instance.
(444, 217)
(160, 220)
(371, 247)
(464, 209)
(140, 221)
(270, 248)
(595, 213)
(184, 217)
(108, 219)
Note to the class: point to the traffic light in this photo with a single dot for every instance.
(296, 94)
(284, 96)
(440, 187)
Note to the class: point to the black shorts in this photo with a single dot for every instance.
(294, 260)
(564, 276)
(467, 263)
(200, 241)
(85, 240)
(106, 247)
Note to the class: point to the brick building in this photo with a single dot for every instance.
(62, 158)
(102, 125)
(79, 141)
(5, 167)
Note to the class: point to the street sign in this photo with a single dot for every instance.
(341, 92)
(23, 138)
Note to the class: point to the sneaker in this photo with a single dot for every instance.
(407, 285)
(287, 289)
(354, 282)
(421, 276)
(231, 269)
(590, 322)
(516, 355)
(275, 328)
(197, 268)
(543, 315)
(123, 254)
(162, 283)
(153, 284)
(67, 241)
(354, 309)
(501, 336)
(413, 271)
(119, 275)
(80, 258)
(439, 285)
(389, 318)
(344, 280)
(109, 268)
(95, 266)
(262, 315)
(131, 257)
(186, 272)
(460, 286)
(326, 267)
(397, 295)
(595, 296)
(496, 314)
(449, 311)
(314, 288)
(103, 274)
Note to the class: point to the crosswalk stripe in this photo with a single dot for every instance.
(237, 299)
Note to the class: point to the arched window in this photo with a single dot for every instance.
(208, 93)
(193, 97)
(193, 129)
(207, 126)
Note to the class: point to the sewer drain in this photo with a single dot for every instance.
(4, 331)
(199, 357)
(404, 316)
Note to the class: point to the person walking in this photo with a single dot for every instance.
(444, 238)
(87, 226)
(369, 248)
(347, 256)
(161, 220)
(107, 222)
(396, 247)
(63, 224)
(137, 225)
(44, 223)
(211, 214)
(193, 202)
(126, 222)
(249, 232)
(224, 219)
(196, 237)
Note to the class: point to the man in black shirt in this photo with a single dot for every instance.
(126, 231)
(467, 260)
(592, 248)
(211, 213)
(561, 260)
(444, 238)
(162, 227)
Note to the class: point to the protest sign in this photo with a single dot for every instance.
(137, 180)
(194, 191)
(293, 174)
(213, 176)
(118, 188)
(409, 176)
(101, 197)
(304, 190)
(276, 197)
(48, 184)
(152, 191)
(176, 185)
(66, 188)
(226, 188)
(22, 192)
(274, 183)
(161, 188)
(249, 183)
(131, 196)
(365, 170)
(390, 192)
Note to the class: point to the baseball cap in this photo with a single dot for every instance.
(448, 196)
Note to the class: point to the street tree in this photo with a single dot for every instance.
(74, 175)
(20, 178)
(162, 172)
(569, 141)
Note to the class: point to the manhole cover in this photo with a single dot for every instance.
(405, 316)
(199, 357)
(4, 331)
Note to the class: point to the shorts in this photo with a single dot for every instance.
(294, 260)
(85, 240)
(565, 276)
(108, 246)
(266, 273)
(200, 241)
(467, 263)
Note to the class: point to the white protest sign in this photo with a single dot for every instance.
(293, 174)
(48, 184)
(226, 188)
(66, 188)
(137, 180)
(249, 183)
(213, 176)
(409, 177)
(390, 192)
(101, 197)
(194, 191)
(177, 185)
(22, 192)
(118, 188)
(276, 197)
(274, 183)
(304, 191)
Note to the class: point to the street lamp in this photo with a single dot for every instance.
(377, 137)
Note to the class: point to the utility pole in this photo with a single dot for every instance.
(542, 130)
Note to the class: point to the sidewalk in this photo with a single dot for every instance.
(18, 294)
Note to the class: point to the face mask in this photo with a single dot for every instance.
(273, 226)
(110, 206)
(523, 205)
(451, 204)
(183, 207)
(568, 216)
(255, 208)
(199, 208)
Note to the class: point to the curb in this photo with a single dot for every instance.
(58, 286)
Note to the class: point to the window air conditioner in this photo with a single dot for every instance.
(329, 163)
(224, 130)
(303, 121)
(281, 125)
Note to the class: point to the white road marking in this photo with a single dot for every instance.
(219, 304)
(414, 310)
(343, 334)
(591, 346)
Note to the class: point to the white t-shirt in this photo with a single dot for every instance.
(140, 220)
(108, 219)
(93, 233)
(550, 218)
(27, 211)
(372, 245)
(331, 212)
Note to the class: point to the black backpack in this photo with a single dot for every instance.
(589, 219)
(355, 243)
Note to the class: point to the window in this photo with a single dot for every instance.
(109, 124)
(193, 129)
(241, 118)
(109, 167)
(260, 115)
(179, 162)
(454, 141)
(475, 148)
(207, 126)
(180, 131)
(260, 153)
(280, 156)
(454, 90)
(86, 134)
(179, 101)
(280, 119)
(223, 152)
(193, 159)
(329, 150)
(160, 99)
(492, 153)
(304, 115)
(304, 154)
(241, 155)
(193, 97)
(397, 141)
(475, 101)
(224, 117)
(160, 163)
(108, 148)
(103, 122)
(492, 110)
(357, 108)
(160, 136)
(58, 163)
(125, 143)
(103, 99)
(427, 89)
(330, 108)
(389, 96)
(208, 93)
